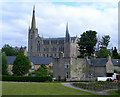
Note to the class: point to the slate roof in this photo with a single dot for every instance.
(35, 60)
(61, 38)
(102, 62)
(97, 62)
(40, 60)
(10, 59)
(116, 62)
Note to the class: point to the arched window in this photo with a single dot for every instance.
(38, 46)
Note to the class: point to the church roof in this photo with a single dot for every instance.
(61, 38)
(35, 60)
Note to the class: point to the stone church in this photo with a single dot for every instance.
(50, 47)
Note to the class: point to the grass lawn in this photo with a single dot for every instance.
(114, 92)
(14, 88)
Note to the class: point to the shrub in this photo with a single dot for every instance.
(27, 78)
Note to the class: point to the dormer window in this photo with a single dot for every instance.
(31, 36)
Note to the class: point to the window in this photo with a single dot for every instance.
(51, 55)
(66, 74)
(33, 67)
(38, 46)
(66, 65)
(61, 49)
(43, 55)
(44, 49)
(31, 37)
(47, 55)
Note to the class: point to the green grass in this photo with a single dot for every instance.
(113, 92)
(14, 88)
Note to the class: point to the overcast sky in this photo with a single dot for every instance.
(51, 19)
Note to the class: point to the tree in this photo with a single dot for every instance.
(103, 53)
(105, 41)
(8, 50)
(87, 42)
(115, 53)
(43, 70)
(4, 65)
(21, 50)
(21, 65)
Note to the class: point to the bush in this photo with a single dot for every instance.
(97, 86)
(27, 78)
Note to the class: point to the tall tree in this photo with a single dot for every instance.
(87, 42)
(21, 65)
(8, 50)
(105, 41)
(115, 53)
(103, 53)
(4, 65)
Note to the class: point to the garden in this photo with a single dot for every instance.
(97, 86)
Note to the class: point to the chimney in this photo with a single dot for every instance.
(109, 58)
(25, 51)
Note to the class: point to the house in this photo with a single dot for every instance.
(81, 68)
(102, 66)
(34, 61)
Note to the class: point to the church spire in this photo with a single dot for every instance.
(33, 24)
(67, 33)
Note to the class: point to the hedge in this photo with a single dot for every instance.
(27, 78)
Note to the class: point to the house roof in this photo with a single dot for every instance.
(35, 60)
(40, 60)
(97, 62)
(116, 62)
(10, 59)
(103, 61)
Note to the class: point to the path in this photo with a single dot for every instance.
(95, 92)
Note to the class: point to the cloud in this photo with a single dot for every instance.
(51, 19)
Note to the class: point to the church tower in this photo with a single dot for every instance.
(67, 43)
(32, 35)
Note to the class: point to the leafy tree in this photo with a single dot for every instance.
(105, 41)
(43, 70)
(103, 53)
(8, 50)
(21, 65)
(115, 53)
(4, 65)
(86, 42)
(116, 71)
(118, 57)
(21, 50)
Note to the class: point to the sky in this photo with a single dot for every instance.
(52, 16)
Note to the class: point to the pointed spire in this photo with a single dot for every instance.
(67, 33)
(33, 24)
(67, 28)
